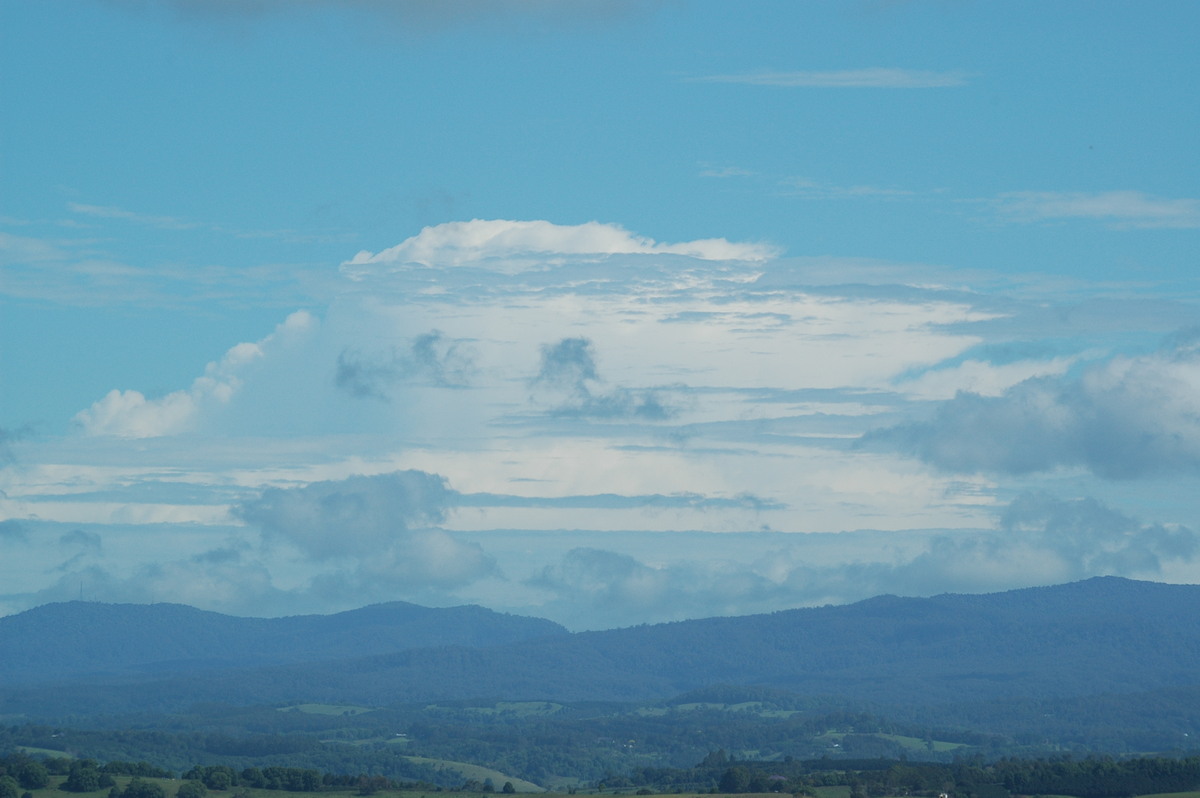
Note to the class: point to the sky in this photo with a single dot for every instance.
(610, 312)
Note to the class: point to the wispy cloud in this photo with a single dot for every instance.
(1122, 209)
(421, 16)
(712, 170)
(873, 78)
(811, 189)
(112, 212)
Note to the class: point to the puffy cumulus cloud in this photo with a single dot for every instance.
(129, 414)
(358, 516)
(569, 367)
(381, 524)
(430, 359)
(1040, 540)
(1125, 417)
(1095, 540)
(517, 245)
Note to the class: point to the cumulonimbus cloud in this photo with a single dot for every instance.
(507, 245)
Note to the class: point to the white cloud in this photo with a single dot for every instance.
(1119, 208)
(129, 414)
(512, 246)
(874, 78)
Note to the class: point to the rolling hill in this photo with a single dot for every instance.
(88, 640)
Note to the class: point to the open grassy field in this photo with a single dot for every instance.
(512, 708)
(29, 749)
(326, 709)
(478, 772)
(910, 743)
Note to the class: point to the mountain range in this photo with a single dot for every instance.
(1104, 636)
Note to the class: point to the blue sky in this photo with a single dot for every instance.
(610, 312)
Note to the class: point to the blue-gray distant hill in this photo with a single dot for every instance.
(87, 640)
(1102, 636)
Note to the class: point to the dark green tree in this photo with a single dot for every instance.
(191, 789)
(143, 789)
(734, 780)
(33, 775)
(84, 777)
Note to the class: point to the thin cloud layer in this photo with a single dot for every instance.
(873, 78)
(416, 14)
(1128, 209)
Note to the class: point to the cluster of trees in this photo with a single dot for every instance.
(21, 772)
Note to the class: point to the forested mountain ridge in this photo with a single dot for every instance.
(80, 639)
(1101, 636)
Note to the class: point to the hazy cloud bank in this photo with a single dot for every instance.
(1038, 540)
